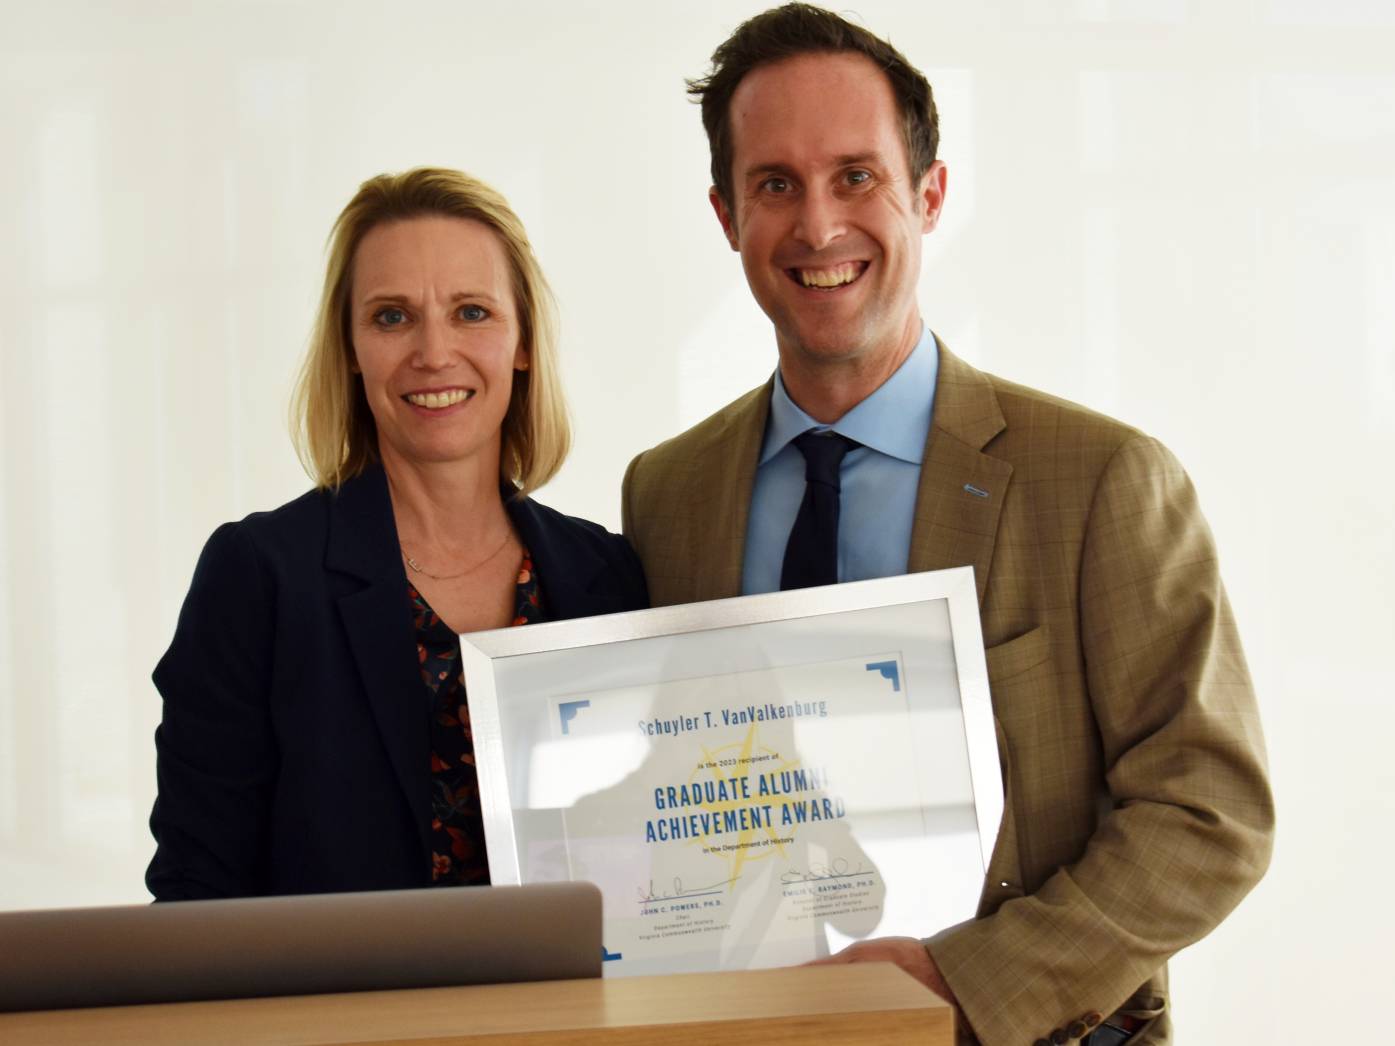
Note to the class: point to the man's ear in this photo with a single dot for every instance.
(725, 217)
(932, 195)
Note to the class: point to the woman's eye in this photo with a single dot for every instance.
(473, 313)
(390, 317)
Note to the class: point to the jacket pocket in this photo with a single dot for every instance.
(1019, 654)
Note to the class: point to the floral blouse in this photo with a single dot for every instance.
(457, 831)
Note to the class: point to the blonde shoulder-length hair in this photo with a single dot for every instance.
(331, 425)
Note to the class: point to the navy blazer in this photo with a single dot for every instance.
(294, 754)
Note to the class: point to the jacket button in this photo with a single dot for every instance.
(1092, 1019)
(1059, 1037)
(1077, 1029)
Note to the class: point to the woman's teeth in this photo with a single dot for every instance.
(437, 400)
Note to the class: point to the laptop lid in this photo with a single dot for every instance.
(187, 950)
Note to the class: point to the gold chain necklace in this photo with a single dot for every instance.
(451, 577)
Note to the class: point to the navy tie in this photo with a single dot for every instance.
(811, 556)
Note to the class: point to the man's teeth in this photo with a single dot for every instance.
(437, 400)
(834, 277)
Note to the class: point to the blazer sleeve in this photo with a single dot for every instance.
(216, 759)
(629, 573)
(628, 519)
(625, 580)
(1189, 828)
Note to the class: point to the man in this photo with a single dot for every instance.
(1137, 808)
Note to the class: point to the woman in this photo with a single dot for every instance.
(316, 735)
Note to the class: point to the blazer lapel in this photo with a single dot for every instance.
(961, 489)
(377, 618)
(724, 474)
(567, 569)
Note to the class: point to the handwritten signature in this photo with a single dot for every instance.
(680, 890)
(838, 869)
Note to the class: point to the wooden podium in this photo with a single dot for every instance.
(859, 1003)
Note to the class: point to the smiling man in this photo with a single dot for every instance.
(1137, 809)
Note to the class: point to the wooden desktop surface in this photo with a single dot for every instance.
(861, 1003)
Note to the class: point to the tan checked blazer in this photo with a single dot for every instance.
(1138, 813)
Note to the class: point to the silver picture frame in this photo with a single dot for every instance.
(751, 782)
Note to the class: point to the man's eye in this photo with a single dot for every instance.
(390, 317)
(473, 313)
(859, 177)
(775, 185)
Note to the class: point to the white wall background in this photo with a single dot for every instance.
(1180, 212)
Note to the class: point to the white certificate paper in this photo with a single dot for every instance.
(756, 791)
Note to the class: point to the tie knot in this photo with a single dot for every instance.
(823, 455)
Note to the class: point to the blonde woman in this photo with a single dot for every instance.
(316, 730)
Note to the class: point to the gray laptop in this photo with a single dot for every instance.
(189, 950)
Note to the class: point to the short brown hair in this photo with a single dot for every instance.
(796, 29)
(333, 429)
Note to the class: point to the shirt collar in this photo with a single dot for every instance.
(894, 420)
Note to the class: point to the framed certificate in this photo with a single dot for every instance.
(751, 782)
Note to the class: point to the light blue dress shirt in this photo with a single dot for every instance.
(879, 478)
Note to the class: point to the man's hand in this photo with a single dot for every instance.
(905, 952)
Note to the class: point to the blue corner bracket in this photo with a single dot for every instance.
(889, 670)
(609, 956)
(567, 711)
